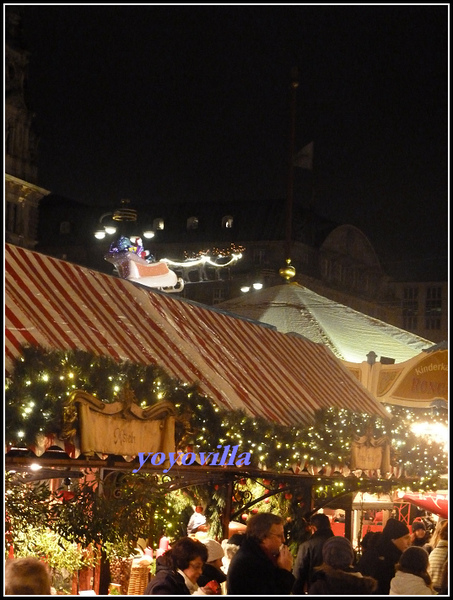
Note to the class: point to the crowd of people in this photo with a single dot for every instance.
(394, 561)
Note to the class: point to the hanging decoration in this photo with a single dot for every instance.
(132, 262)
(214, 259)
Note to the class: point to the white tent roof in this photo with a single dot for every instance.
(350, 334)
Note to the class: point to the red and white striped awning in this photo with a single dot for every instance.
(239, 364)
(433, 502)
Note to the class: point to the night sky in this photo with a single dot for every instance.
(186, 103)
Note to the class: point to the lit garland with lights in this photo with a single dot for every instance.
(233, 250)
(203, 258)
(41, 382)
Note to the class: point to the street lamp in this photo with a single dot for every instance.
(120, 216)
(257, 285)
(108, 228)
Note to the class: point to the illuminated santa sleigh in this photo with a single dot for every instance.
(133, 267)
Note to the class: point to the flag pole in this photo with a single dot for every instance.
(288, 272)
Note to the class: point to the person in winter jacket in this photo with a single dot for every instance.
(262, 565)
(411, 577)
(309, 554)
(178, 570)
(337, 575)
(379, 561)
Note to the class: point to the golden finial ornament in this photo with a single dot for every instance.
(288, 272)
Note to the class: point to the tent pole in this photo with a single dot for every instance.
(227, 510)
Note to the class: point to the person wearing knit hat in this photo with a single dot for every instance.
(338, 553)
(379, 562)
(212, 575)
(412, 578)
(394, 530)
(420, 537)
(337, 575)
(215, 550)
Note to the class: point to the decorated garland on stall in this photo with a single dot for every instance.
(41, 382)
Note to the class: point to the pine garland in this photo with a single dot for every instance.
(41, 382)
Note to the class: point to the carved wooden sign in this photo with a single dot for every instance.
(370, 453)
(123, 429)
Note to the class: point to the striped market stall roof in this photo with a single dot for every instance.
(239, 364)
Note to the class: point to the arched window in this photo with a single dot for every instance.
(227, 222)
(65, 227)
(192, 223)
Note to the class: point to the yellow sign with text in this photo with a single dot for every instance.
(427, 380)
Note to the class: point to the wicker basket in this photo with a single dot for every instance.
(139, 578)
(120, 571)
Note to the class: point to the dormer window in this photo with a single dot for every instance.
(192, 223)
(158, 224)
(227, 222)
(65, 227)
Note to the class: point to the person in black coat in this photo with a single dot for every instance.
(178, 570)
(309, 554)
(212, 569)
(337, 576)
(262, 565)
(379, 561)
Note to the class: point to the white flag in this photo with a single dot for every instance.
(304, 158)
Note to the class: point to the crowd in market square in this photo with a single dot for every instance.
(399, 560)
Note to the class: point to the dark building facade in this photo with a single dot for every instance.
(334, 260)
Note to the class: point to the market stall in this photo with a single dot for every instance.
(240, 364)
(417, 383)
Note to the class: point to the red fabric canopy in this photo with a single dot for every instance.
(430, 501)
(243, 365)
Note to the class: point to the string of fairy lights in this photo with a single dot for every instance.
(218, 258)
(232, 250)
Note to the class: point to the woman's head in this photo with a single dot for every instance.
(443, 532)
(414, 560)
(338, 553)
(189, 555)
